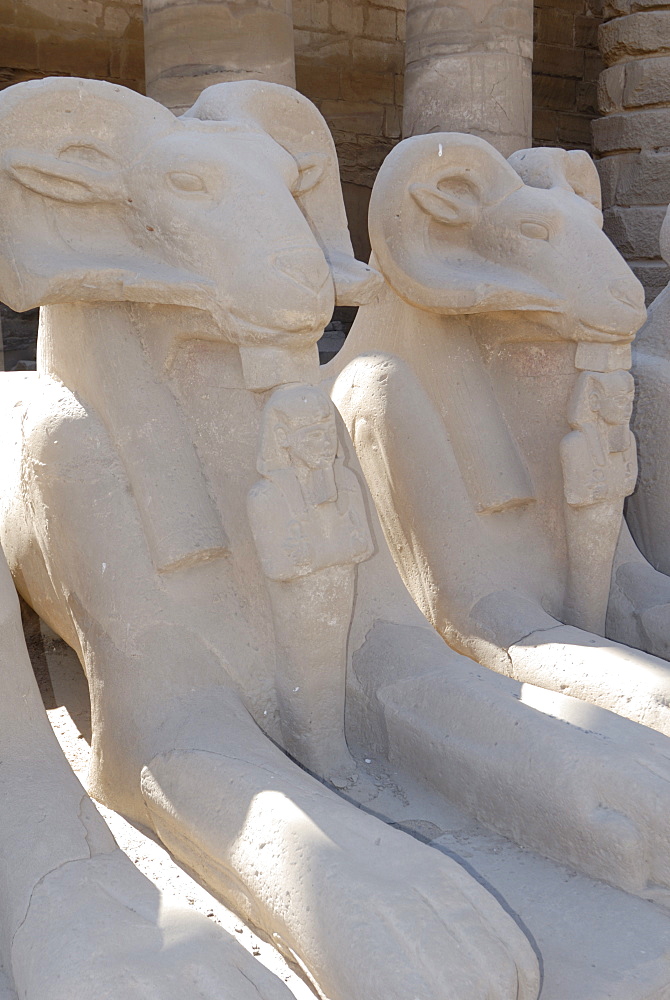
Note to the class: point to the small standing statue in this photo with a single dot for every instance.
(310, 527)
(599, 470)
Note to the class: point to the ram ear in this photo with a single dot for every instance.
(63, 180)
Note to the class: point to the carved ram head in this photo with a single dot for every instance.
(234, 209)
(456, 229)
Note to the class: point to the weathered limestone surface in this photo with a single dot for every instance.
(468, 69)
(350, 60)
(632, 138)
(644, 33)
(648, 510)
(74, 908)
(635, 84)
(527, 408)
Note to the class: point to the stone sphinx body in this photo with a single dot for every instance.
(77, 919)
(186, 269)
(125, 520)
(487, 392)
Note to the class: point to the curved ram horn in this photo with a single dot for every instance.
(572, 170)
(62, 142)
(296, 125)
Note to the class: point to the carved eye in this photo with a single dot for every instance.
(535, 230)
(183, 181)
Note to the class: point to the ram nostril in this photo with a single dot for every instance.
(628, 294)
(307, 267)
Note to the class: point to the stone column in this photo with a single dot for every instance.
(633, 138)
(468, 69)
(191, 44)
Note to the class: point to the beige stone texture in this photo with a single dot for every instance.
(350, 64)
(565, 69)
(615, 8)
(632, 130)
(629, 178)
(647, 510)
(566, 63)
(593, 939)
(635, 231)
(654, 275)
(309, 523)
(346, 53)
(634, 84)
(209, 250)
(97, 38)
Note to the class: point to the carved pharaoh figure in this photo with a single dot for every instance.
(307, 512)
(598, 456)
(310, 527)
(599, 466)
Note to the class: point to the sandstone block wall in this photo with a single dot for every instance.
(193, 44)
(468, 68)
(350, 60)
(566, 64)
(633, 137)
(92, 38)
